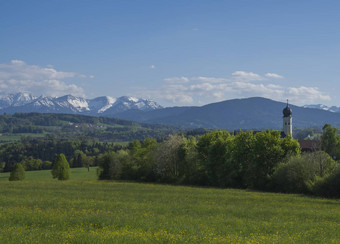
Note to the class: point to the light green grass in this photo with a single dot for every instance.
(89, 211)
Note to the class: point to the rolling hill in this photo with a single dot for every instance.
(250, 113)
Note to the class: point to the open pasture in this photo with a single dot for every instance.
(84, 210)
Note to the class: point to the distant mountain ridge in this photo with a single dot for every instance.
(255, 113)
(104, 106)
(333, 109)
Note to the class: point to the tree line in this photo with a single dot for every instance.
(37, 154)
(262, 161)
(68, 126)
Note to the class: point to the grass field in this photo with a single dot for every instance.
(83, 210)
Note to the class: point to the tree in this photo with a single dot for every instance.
(18, 173)
(142, 163)
(61, 168)
(329, 140)
(212, 148)
(110, 165)
(168, 158)
(191, 171)
(268, 151)
(239, 158)
(300, 173)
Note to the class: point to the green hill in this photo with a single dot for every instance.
(64, 126)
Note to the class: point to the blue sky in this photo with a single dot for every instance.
(174, 52)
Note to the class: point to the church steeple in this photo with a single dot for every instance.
(287, 120)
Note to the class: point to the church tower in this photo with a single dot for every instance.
(287, 120)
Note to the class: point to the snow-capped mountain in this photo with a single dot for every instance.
(18, 99)
(108, 106)
(333, 109)
(101, 104)
(131, 103)
(76, 104)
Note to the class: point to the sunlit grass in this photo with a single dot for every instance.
(90, 211)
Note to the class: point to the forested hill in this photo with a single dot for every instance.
(70, 126)
(255, 113)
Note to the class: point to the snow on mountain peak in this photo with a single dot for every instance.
(333, 109)
(72, 104)
(133, 99)
(101, 104)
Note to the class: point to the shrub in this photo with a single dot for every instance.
(61, 168)
(300, 174)
(46, 165)
(110, 165)
(18, 173)
(330, 186)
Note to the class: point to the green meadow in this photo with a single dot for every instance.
(85, 210)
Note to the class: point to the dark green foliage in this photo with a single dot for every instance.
(302, 134)
(31, 163)
(330, 186)
(61, 168)
(300, 174)
(268, 151)
(167, 159)
(18, 173)
(111, 165)
(47, 148)
(238, 159)
(216, 159)
(212, 149)
(191, 171)
(70, 126)
(330, 141)
(142, 164)
(46, 165)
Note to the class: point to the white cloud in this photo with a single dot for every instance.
(177, 79)
(201, 89)
(209, 79)
(273, 75)
(152, 66)
(246, 76)
(91, 76)
(17, 76)
(306, 94)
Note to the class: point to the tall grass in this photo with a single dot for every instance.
(89, 211)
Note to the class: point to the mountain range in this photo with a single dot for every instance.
(255, 113)
(249, 113)
(334, 109)
(68, 104)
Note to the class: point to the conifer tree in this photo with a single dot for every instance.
(61, 168)
(18, 173)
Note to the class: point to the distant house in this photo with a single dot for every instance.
(310, 145)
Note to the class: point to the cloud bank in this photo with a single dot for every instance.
(18, 76)
(240, 84)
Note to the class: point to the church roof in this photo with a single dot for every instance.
(287, 111)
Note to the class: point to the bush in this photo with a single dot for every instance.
(61, 168)
(110, 165)
(18, 173)
(300, 174)
(330, 186)
(46, 165)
